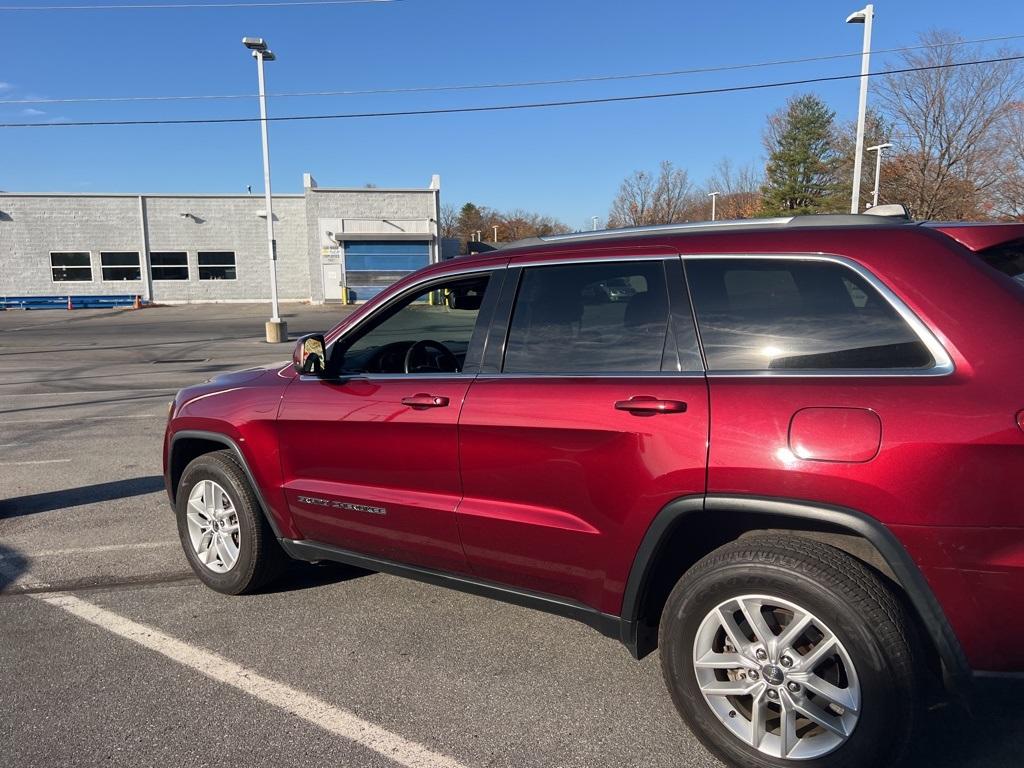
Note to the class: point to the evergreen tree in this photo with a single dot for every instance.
(800, 176)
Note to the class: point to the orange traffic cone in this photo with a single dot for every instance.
(138, 302)
(70, 305)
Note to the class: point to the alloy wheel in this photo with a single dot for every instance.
(213, 526)
(777, 677)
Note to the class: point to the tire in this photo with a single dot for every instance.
(243, 530)
(875, 700)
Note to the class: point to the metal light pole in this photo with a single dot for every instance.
(277, 329)
(866, 18)
(714, 199)
(594, 220)
(877, 149)
(495, 233)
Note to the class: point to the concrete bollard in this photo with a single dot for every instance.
(277, 331)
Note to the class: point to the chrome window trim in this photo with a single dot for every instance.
(420, 376)
(603, 375)
(943, 365)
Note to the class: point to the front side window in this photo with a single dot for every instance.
(169, 265)
(216, 265)
(427, 332)
(792, 314)
(597, 317)
(120, 265)
(70, 266)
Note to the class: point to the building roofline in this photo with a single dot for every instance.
(222, 196)
(371, 189)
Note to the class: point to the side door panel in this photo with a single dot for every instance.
(559, 484)
(370, 458)
(367, 473)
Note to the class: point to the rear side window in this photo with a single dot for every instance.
(793, 314)
(599, 317)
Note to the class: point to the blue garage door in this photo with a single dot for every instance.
(371, 266)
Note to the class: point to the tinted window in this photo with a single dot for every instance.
(1008, 258)
(120, 265)
(604, 317)
(169, 265)
(71, 266)
(439, 321)
(769, 314)
(216, 265)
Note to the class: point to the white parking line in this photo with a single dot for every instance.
(37, 461)
(309, 708)
(88, 550)
(82, 418)
(64, 393)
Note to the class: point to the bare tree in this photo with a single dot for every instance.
(449, 223)
(947, 122)
(1008, 194)
(517, 224)
(738, 188)
(645, 199)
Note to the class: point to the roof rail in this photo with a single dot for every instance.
(695, 227)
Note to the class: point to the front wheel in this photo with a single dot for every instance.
(780, 651)
(223, 532)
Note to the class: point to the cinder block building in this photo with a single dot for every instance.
(332, 244)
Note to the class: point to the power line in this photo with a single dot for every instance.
(167, 6)
(509, 107)
(519, 84)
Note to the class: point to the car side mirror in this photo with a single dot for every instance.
(309, 356)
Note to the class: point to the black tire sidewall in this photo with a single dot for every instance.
(883, 699)
(238, 578)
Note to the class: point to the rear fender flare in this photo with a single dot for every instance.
(842, 519)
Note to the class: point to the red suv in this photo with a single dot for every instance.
(784, 452)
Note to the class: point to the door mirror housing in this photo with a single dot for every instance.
(310, 356)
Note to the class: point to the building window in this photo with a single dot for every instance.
(216, 265)
(73, 266)
(120, 266)
(169, 265)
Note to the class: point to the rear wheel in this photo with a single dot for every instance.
(223, 532)
(780, 650)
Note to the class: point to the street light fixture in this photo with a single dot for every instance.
(714, 199)
(277, 329)
(865, 17)
(877, 149)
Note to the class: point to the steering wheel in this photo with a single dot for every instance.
(448, 359)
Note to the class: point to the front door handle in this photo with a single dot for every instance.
(645, 405)
(421, 400)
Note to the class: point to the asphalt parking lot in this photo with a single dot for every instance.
(112, 653)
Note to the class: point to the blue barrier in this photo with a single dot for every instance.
(61, 302)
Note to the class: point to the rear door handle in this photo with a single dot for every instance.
(421, 400)
(645, 405)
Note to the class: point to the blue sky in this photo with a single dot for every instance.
(566, 162)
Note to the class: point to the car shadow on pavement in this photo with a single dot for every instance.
(12, 565)
(299, 575)
(73, 497)
(989, 733)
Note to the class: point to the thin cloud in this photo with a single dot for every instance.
(30, 112)
(5, 86)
